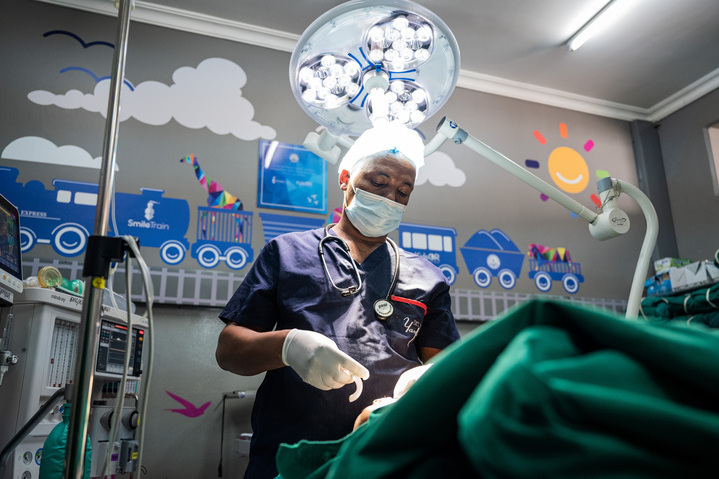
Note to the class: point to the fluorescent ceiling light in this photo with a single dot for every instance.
(613, 10)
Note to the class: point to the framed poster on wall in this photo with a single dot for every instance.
(291, 178)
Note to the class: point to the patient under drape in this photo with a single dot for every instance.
(547, 390)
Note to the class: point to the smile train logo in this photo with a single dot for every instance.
(150, 210)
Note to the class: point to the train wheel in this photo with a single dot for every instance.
(570, 283)
(27, 240)
(172, 252)
(235, 257)
(507, 279)
(208, 256)
(483, 277)
(543, 281)
(69, 240)
(449, 273)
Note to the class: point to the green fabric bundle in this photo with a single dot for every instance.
(549, 390)
(699, 301)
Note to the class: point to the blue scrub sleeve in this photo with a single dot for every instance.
(439, 328)
(254, 303)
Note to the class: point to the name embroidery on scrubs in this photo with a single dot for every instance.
(411, 325)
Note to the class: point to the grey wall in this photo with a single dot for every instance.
(177, 446)
(149, 156)
(689, 171)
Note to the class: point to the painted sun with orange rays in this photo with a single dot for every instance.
(567, 167)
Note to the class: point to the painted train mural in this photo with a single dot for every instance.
(491, 254)
(63, 217)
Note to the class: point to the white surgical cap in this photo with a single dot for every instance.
(392, 138)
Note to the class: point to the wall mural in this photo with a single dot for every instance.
(64, 217)
(491, 254)
(440, 170)
(41, 150)
(567, 167)
(435, 243)
(206, 96)
(553, 264)
(188, 409)
(290, 177)
(217, 197)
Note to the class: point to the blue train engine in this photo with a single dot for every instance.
(435, 243)
(553, 264)
(157, 221)
(493, 254)
(62, 218)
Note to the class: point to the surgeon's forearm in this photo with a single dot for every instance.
(246, 352)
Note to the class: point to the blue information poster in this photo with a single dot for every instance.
(292, 178)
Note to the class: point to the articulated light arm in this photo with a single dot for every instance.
(610, 223)
(325, 144)
(452, 131)
(609, 190)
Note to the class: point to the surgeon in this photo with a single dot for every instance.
(326, 311)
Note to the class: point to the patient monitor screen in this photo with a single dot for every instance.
(10, 259)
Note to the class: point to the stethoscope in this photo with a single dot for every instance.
(383, 307)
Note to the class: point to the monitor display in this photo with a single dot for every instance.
(10, 253)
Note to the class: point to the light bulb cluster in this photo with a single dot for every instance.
(329, 81)
(400, 43)
(406, 103)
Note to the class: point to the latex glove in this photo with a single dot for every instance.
(318, 360)
(407, 379)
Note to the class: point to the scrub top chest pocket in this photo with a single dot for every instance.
(405, 322)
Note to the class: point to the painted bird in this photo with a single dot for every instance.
(190, 409)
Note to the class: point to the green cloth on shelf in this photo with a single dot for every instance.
(703, 300)
(548, 390)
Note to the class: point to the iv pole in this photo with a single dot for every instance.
(92, 303)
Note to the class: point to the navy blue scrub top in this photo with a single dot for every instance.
(287, 287)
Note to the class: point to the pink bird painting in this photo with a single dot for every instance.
(189, 410)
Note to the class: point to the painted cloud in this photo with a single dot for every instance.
(41, 150)
(439, 170)
(209, 96)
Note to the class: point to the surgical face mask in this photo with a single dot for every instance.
(374, 215)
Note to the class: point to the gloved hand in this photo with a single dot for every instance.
(407, 379)
(318, 360)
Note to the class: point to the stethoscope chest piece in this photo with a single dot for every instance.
(383, 309)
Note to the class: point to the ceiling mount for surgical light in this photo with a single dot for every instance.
(362, 48)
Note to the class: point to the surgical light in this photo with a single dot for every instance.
(328, 81)
(402, 51)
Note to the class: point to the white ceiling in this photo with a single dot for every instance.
(661, 55)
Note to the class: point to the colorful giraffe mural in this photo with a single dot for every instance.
(217, 197)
